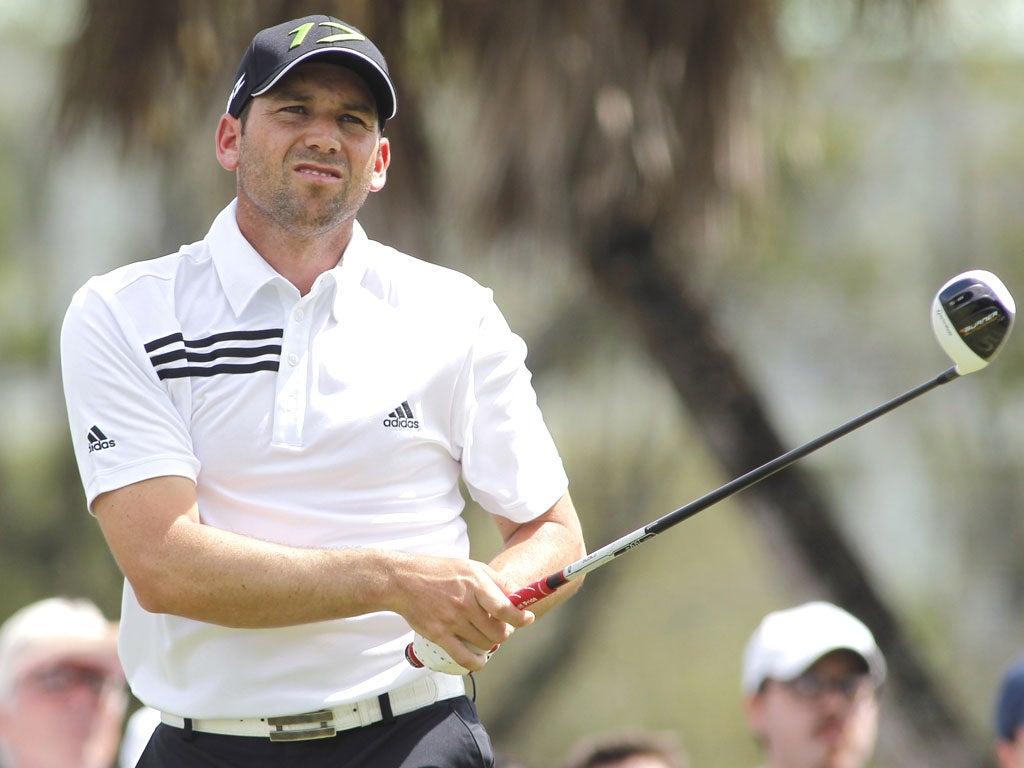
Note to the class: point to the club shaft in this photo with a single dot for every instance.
(542, 588)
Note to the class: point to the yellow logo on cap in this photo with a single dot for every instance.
(347, 33)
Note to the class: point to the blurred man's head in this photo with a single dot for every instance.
(810, 677)
(62, 690)
(628, 749)
(1009, 717)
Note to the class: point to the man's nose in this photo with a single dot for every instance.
(324, 136)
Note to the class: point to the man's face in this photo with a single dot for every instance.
(826, 718)
(1010, 754)
(309, 153)
(67, 713)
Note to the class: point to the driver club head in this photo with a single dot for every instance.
(972, 315)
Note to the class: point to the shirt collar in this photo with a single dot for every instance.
(243, 272)
(350, 270)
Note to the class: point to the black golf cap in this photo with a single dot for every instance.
(275, 50)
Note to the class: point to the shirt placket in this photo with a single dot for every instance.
(293, 375)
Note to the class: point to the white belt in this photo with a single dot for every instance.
(326, 722)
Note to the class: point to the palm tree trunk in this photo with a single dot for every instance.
(796, 518)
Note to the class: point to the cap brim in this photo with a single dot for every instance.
(793, 667)
(377, 79)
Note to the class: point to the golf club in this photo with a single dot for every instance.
(972, 315)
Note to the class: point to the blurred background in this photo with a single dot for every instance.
(719, 226)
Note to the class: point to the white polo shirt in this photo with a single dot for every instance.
(343, 418)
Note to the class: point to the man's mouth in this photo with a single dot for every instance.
(830, 732)
(317, 170)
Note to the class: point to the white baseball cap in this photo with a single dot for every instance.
(54, 629)
(788, 642)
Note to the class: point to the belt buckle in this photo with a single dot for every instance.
(322, 722)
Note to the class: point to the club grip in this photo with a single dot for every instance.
(412, 658)
(521, 598)
(531, 593)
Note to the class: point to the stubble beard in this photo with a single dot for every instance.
(306, 213)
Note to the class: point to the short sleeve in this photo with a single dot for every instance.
(511, 465)
(125, 424)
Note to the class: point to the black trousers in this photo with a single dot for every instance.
(446, 734)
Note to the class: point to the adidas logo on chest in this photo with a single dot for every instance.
(402, 418)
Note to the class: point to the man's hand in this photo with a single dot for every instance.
(532, 550)
(458, 606)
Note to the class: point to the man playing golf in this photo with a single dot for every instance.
(273, 426)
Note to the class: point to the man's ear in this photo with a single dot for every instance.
(380, 165)
(752, 708)
(229, 134)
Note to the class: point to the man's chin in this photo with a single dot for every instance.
(833, 749)
(316, 220)
(837, 756)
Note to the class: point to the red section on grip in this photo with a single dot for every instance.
(531, 593)
(411, 657)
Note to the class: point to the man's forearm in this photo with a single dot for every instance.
(541, 547)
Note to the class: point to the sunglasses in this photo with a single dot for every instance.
(813, 686)
(62, 678)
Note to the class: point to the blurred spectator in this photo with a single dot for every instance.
(810, 681)
(1009, 717)
(627, 749)
(62, 690)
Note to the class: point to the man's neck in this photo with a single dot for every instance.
(298, 257)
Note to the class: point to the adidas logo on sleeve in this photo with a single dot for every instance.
(402, 418)
(98, 441)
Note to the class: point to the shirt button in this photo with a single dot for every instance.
(293, 359)
(299, 314)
